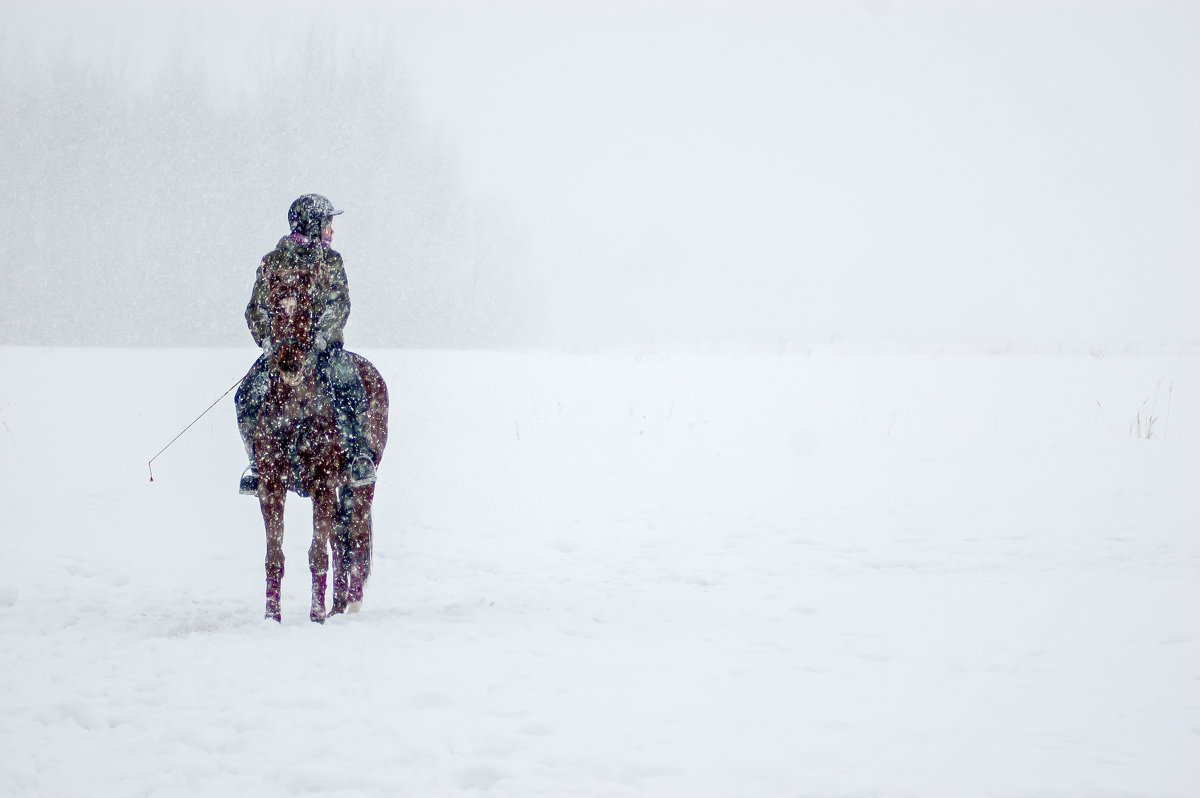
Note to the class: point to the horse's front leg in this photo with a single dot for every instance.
(324, 502)
(271, 496)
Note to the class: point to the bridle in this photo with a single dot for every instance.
(292, 376)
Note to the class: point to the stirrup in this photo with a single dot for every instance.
(362, 472)
(248, 485)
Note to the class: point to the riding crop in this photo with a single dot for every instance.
(188, 427)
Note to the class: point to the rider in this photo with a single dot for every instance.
(311, 220)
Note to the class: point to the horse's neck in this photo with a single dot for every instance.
(295, 402)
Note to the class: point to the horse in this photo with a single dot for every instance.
(298, 446)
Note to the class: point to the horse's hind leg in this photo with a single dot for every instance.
(340, 543)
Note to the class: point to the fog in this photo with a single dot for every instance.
(589, 174)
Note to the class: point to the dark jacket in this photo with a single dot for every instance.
(331, 320)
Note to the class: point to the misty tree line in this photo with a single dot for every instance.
(138, 209)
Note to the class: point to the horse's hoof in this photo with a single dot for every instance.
(353, 607)
(316, 617)
(338, 608)
(273, 616)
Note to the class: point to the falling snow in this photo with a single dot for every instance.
(689, 574)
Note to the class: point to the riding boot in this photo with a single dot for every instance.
(247, 402)
(362, 464)
(248, 485)
(350, 403)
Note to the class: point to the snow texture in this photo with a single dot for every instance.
(655, 574)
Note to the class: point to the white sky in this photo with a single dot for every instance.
(931, 170)
(982, 171)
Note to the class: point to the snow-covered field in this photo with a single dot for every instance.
(653, 574)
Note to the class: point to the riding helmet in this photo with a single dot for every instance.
(308, 214)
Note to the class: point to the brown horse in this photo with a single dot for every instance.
(298, 446)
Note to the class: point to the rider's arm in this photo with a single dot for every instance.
(337, 303)
(256, 311)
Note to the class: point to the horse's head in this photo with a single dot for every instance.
(293, 287)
